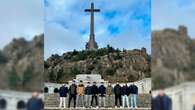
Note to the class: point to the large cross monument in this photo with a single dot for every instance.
(91, 44)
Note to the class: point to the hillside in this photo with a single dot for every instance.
(113, 64)
(173, 56)
(21, 64)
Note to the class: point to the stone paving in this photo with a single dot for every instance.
(56, 108)
(52, 103)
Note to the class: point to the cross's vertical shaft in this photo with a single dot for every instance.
(92, 22)
(92, 44)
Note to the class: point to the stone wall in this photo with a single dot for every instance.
(12, 98)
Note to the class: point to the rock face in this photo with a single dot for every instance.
(21, 64)
(112, 64)
(172, 57)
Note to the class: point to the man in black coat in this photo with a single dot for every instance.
(117, 92)
(162, 102)
(63, 91)
(72, 93)
(94, 92)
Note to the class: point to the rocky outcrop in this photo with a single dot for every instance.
(112, 64)
(172, 57)
(21, 64)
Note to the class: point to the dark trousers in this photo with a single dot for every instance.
(94, 97)
(118, 97)
(72, 96)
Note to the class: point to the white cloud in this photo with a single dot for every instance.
(60, 39)
(20, 18)
(74, 24)
(172, 13)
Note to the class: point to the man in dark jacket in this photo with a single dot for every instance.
(162, 102)
(87, 95)
(63, 91)
(102, 95)
(117, 92)
(72, 93)
(194, 107)
(125, 95)
(3, 104)
(94, 92)
(133, 91)
(35, 103)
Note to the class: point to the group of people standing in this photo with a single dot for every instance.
(95, 96)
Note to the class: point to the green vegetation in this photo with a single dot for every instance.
(2, 58)
(27, 76)
(110, 71)
(82, 55)
(14, 79)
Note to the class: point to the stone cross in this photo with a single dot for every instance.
(92, 35)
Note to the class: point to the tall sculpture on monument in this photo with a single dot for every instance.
(92, 44)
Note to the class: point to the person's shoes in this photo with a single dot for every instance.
(136, 107)
(115, 106)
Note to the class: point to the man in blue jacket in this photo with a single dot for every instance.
(35, 103)
(134, 92)
(125, 95)
(162, 102)
(63, 91)
(102, 95)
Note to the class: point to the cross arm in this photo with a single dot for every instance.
(87, 10)
(94, 10)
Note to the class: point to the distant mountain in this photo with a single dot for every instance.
(113, 64)
(173, 57)
(21, 64)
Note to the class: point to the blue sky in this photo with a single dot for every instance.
(122, 24)
(20, 18)
(172, 13)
